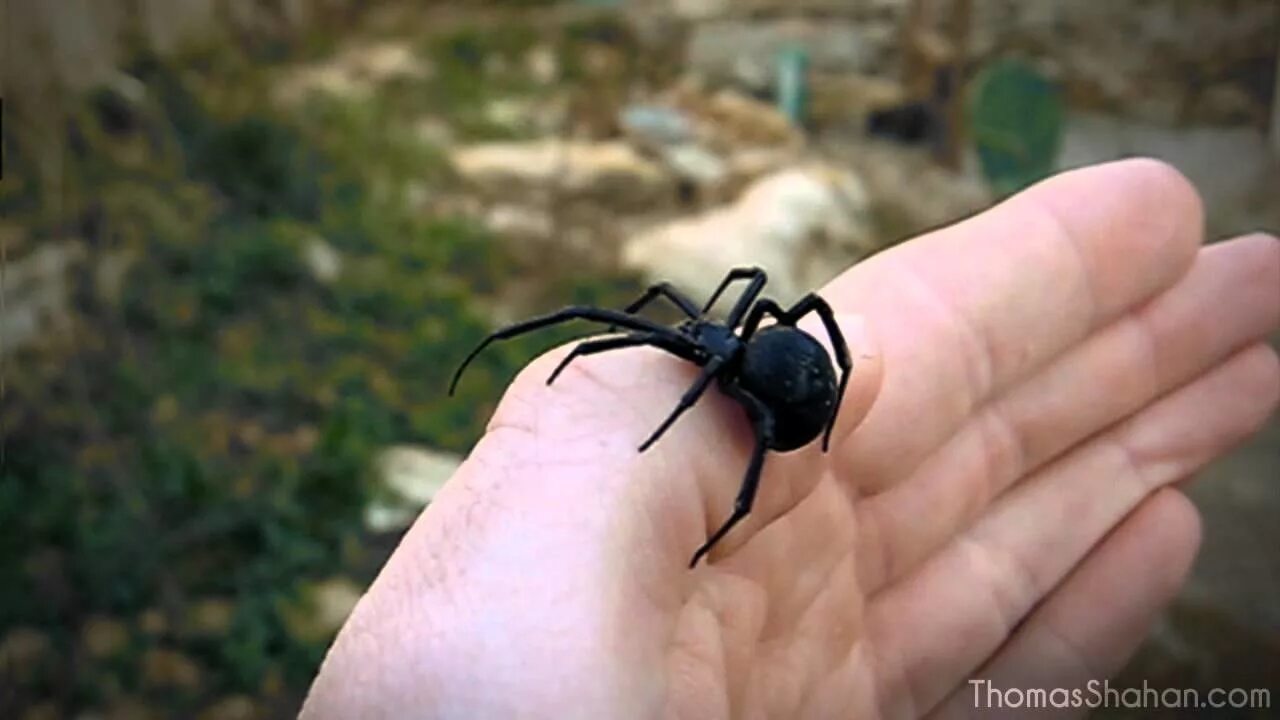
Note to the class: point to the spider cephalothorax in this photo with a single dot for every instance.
(780, 374)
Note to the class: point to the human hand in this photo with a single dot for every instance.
(999, 501)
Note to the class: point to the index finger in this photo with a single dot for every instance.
(966, 311)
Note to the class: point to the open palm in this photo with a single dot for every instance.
(997, 503)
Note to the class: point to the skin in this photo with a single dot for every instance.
(1000, 501)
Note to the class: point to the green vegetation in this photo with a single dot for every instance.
(205, 430)
(1016, 117)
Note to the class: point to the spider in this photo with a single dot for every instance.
(780, 374)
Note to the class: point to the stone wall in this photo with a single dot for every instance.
(1158, 60)
(1154, 59)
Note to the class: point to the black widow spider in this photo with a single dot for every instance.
(781, 375)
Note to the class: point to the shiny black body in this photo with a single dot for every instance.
(780, 374)
(791, 374)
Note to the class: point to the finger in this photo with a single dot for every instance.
(1089, 627)
(1230, 298)
(994, 573)
(965, 311)
(557, 485)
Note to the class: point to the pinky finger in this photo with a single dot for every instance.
(1088, 628)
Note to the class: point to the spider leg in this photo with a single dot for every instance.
(755, 274)
(815, 304)
(668, 291)
(758, 313)
(762, 423)
(591, 347)
(746, 299)
(807, 304)
(613, 317)
(686, 401)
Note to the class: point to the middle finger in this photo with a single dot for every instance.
(1230, 298)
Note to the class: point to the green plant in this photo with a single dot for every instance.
(208, 430)
(1016, 117)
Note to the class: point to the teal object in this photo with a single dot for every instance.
(1016, 121)
(793, 83)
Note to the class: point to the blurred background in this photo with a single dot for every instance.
(245, 242)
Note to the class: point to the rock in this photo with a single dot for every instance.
(37, 293)
(743, 120)
(104, 637)
(715, 141)
(746, 51)
(909, 191)
(353, 73)
(656, 126)
(386, 60)
(519, 221)
(434, 131)
(1157, 101)
(543, 64)
(696, 164)
(509, 113)
(823, 8)
(235, 707)
(694, 10)
(533, 116)
(727, 119)
(324, 262)
(165, 668)
(847, 99)
(745, 165)
(551, 115)
(803, 225)
(320, 609)
(610, 171)
(410, 477)
(1226, 104)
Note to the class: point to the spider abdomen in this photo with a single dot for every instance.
(791, 373)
